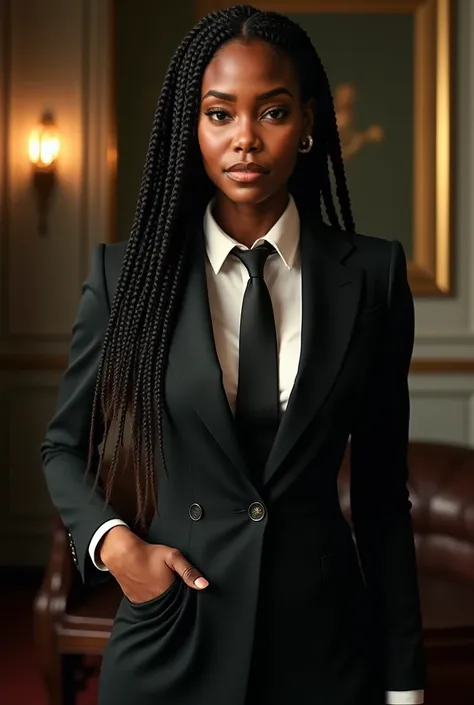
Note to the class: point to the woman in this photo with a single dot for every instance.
(248, 340)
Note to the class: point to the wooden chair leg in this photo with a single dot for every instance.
(70, 678)
(48, 608)
(52, 678)
(61, 678)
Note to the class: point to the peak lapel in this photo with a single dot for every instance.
(330, 299)
(194, 362)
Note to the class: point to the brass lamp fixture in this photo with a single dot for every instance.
(44, 146)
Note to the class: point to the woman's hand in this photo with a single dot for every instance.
(143, 570)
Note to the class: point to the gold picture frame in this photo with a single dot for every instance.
(430, 268)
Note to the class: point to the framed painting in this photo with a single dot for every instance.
(390, 67)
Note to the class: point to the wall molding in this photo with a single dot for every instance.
(287, 6)
(24, 362)
(442, 366)
(427, 365)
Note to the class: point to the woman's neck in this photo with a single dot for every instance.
(245, 222)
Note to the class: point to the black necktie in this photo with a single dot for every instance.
(257, 403)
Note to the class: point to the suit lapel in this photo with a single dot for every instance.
(330, 299)
(194, 362)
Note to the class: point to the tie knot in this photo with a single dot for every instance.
(254, 260)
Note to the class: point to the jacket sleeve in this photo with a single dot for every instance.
(64, 449)
(380, 504)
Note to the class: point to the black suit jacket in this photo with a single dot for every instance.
(293, 613)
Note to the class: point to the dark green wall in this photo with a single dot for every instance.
(148, 32)
(374, 52)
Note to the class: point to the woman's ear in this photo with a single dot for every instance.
(309, 115)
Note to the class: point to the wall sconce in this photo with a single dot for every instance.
(44, 147)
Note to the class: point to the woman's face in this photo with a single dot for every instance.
(251, 121)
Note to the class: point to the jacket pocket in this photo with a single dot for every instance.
(155, 603)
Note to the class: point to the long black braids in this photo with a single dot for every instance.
(173, 195)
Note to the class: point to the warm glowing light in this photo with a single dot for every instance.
(44, 143)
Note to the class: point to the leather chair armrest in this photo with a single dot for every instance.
(51, 599)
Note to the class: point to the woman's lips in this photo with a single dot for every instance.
(245, 176)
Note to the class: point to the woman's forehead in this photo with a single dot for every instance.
(248, 65)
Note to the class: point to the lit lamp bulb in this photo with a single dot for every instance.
(44, 146)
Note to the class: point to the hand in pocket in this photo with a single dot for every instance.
(145, 571)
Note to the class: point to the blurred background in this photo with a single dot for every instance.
(79, 81)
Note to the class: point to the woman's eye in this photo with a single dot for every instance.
(217, 115)
(277, 113)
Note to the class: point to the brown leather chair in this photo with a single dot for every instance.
(72, 621)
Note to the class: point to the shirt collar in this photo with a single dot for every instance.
(284, 236)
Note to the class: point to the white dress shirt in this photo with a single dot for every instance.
(227, 279)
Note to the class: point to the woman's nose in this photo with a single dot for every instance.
(246, 138)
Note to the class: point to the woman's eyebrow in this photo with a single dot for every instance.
(233, 98)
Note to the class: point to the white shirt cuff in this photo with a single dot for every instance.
(405, 697)
(101, 531)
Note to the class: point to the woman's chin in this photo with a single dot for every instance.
(250, 194)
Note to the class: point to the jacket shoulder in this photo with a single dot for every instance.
(371, 251)
(376, 256)
(368, 250)
(114, 255)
